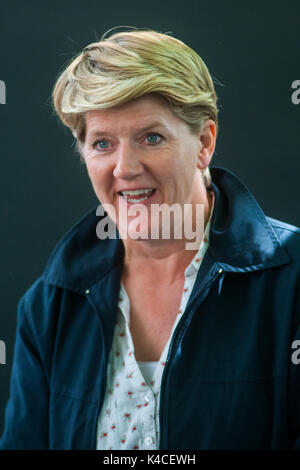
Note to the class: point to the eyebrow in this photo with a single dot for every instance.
(96, 132)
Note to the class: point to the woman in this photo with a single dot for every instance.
(138, 342)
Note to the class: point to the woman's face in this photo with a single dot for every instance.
(143, 145)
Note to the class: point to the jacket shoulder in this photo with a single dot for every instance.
(41, 305)
(288, 236)
(279, 224)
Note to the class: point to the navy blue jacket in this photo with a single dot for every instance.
(229, 380)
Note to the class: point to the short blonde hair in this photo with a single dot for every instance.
(128, 65)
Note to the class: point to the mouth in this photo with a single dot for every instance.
(139, 196)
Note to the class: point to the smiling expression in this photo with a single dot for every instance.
(143, 145)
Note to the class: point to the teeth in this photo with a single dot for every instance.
(137, 200)
(136, 192)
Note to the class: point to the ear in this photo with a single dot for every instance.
(207, 139)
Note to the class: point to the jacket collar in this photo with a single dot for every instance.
(241, 240)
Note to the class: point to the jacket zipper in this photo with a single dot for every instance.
(164, 381)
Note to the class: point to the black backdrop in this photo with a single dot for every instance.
(252, 48)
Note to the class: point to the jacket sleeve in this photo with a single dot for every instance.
(26, 413)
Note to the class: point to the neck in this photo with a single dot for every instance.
(163, 258)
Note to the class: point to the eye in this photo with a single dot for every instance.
(152, 137)
(100, 147)
(102, 144)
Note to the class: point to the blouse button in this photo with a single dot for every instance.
(148, 440)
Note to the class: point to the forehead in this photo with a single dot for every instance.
(136, 113)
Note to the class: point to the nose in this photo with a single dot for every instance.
(128, 164)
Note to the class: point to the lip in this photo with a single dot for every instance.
(145, 203)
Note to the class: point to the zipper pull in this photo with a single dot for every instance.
(221, 279)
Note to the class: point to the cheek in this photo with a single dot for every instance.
(97, 180)
(94, 178)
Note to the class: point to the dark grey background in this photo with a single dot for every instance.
(252, 48)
